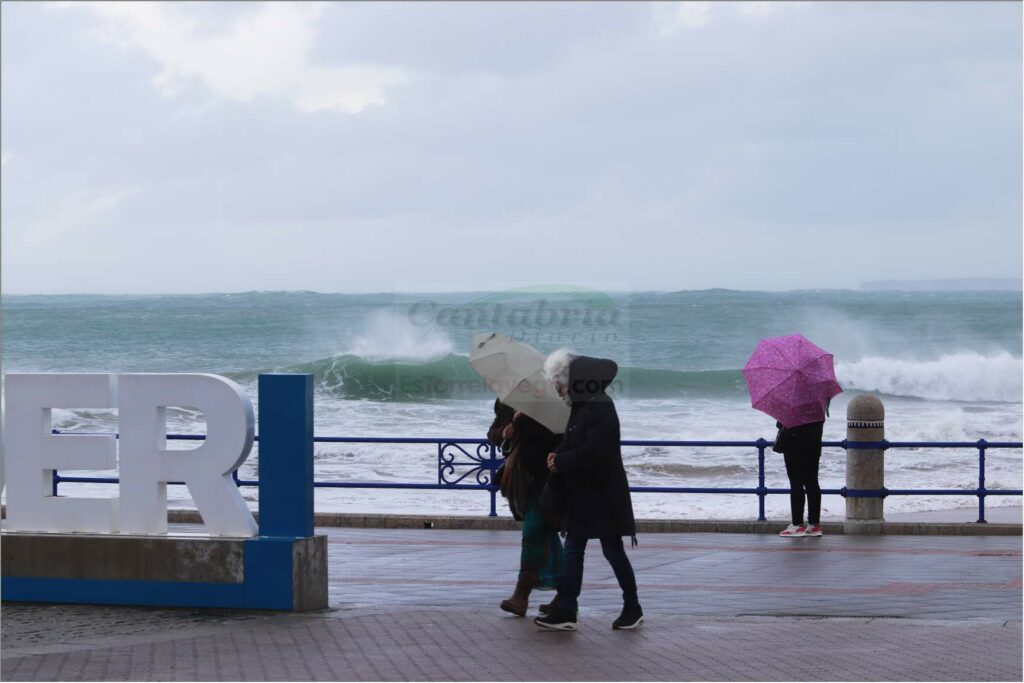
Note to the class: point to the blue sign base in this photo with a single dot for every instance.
(284, 568)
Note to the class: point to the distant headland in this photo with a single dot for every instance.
(949, 284)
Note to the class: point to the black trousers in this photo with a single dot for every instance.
(611, 546)
(802, 470)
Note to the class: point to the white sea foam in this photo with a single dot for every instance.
(388, 335)
(965, 376)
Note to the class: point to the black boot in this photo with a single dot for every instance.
(546, 609)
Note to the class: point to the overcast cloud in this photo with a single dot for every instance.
(186, 147)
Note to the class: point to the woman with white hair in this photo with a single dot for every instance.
(598, 504)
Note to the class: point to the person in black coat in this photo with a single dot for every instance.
(598, 504)
(801, 450)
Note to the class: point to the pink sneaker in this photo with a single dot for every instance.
(812, 530)
(794, 531)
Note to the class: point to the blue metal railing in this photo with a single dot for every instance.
(481, 460)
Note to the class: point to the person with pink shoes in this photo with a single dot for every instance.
(801, 450)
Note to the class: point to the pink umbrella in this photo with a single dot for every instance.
(791, 379)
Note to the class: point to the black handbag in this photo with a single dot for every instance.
(553, 502)
(781, 440)
(499, 471)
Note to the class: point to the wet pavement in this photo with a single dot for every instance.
(411, 604)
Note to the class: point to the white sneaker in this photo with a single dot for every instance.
(794, 531)
(812, 530)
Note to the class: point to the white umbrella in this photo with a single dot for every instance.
(515, 373)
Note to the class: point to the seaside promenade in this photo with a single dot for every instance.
(421, 604)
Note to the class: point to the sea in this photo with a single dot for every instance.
(947, 366)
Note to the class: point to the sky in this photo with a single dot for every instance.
(375, 147)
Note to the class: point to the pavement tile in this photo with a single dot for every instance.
(410, 604)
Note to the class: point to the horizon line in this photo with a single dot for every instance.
(1019, 288)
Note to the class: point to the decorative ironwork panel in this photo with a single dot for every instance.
(456, 463)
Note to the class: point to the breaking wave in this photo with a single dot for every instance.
(955, 377)
(965, 376)
(450, 376)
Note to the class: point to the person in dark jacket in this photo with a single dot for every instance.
(801, 450)
(527, 444)
(589, 463)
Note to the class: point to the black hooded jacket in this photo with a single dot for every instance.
(589, 461)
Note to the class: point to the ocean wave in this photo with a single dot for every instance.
(652, 383)
(387, 336)
(678, 469)
(354, 377)
(963, 376)
(955, 377)
(450, 376)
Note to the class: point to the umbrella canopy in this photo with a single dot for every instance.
(791, 379)
(515, 373)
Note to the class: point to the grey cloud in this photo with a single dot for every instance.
(579, 124)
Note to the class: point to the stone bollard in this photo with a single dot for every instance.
(865, 467)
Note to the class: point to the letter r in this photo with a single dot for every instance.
(147, 465)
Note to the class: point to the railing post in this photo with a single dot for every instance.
(865, 467)
(493, 490)
(54, 477)
(981, 481)
(761, 490)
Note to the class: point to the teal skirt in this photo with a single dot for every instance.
(542, 549)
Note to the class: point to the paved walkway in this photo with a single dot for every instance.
(421, 604)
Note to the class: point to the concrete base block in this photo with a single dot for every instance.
(170, 571)
(309, 574)
(864, 527)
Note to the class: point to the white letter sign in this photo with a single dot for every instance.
(32, 453)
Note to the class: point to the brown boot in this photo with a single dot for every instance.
(520, 599)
